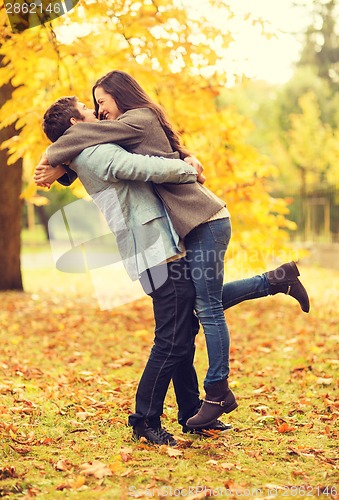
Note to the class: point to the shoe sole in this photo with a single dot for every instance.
(138, 438)
(207, 432)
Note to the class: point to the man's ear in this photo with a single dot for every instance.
(73, 120)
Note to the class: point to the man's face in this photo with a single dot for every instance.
(88, 114)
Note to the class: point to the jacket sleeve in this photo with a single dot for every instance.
(111, 163)
(128, 132)
(69, 177)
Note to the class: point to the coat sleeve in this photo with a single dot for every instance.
(128, 132)
(111, 163)
(69, 177)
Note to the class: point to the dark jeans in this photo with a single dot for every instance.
(173, 351)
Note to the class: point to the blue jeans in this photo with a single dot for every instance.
(238, 291)
(206, 246)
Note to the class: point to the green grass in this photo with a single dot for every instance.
(69, 373)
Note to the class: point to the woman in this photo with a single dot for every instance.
(201, 219)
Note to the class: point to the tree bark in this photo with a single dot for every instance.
(10, 210)
(43, 219)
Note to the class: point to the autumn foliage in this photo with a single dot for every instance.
(174, 54)
(69, 373)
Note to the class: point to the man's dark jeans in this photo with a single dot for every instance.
(172, 354)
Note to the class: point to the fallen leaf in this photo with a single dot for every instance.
(83, 415)
(173, 452)
(284, 427)
(46, 441)
(63, 465)
(115, 466)
(78, 482)
(125, 457)
(227, 465)
(324, 381)
(126, 449)
(23, 450)
(128, 472)
(262, 389)
(212, 462)
(299, 473)
(32, 492)
(63, 486)
(96, 469)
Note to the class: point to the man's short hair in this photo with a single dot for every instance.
(57, 118)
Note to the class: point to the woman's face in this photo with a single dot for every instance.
(107, 105)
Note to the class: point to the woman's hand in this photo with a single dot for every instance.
(45, 175)
(195, 163)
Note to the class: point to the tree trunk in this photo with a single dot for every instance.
(10, 210)
(43, 217)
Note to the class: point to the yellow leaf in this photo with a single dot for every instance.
(29, 191)
(116, 466)
(227, 465)
(173, 452)
(39, 200)
(96, 469)
(324, 381)
(78, 482)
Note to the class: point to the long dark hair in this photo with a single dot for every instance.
(128, 94)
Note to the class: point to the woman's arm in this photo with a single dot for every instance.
(128, 132)
(138, 127)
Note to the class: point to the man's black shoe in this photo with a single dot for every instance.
(218, 425)
(157, 435)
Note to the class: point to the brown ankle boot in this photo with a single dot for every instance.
(219, 399)
(284, 279)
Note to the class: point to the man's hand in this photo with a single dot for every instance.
(195, 163)
(45, 175)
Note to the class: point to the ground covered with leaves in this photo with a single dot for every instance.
(69, 373)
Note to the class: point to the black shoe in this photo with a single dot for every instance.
(284, 279)
(157, 435)
(219, 399)
(218, 425)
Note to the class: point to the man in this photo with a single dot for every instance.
(137, 217)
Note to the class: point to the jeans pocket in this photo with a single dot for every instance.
(221, 230)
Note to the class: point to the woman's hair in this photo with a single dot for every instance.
(128, 94)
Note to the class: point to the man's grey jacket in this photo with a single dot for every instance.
(120, 184)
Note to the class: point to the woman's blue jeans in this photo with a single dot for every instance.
(206, 246)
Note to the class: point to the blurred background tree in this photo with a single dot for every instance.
(296, 125)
